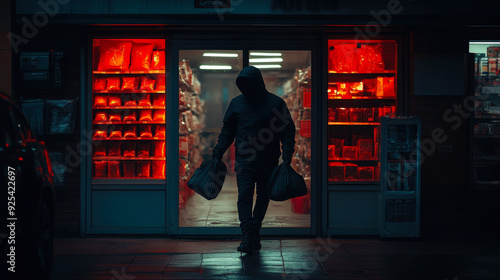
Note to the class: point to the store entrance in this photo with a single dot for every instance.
(206, 86)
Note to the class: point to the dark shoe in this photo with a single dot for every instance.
(246, 244)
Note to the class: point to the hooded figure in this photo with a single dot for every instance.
(258, 121)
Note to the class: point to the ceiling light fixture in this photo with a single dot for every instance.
(215, 67)
(221, 54)
(267, 66)
(265, 60)
(264, 54)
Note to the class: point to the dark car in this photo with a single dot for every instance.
(27, 212)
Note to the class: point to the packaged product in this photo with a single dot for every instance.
(129, 83)
(99, 168)
(350, 151)
(114, 100)
(114, 55)
(141, 57)
(343, 58)
(147, 83)
(370, 58)
(159, 169)
(130, 116)
(158, 61)
(143, 149)
(366, 172)
(113, 83)
(116, 133)
(128, 168)
(350, 171)
(159, 99)
(100, 150)
(365, 148)
(115, 149)
(336, 170)
(129, 148)
(113, 168)
(145, 131)
(159, 115)
(99, 84)
(145, 99)
(100, 100)
(115, 117)
(145, 115)
(143, 168)
(130, 131)
(101, 117)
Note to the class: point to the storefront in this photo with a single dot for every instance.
(152, 92)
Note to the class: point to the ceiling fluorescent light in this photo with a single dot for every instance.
(221, 54)
(264, 54)
(272, 59)
(216, 67)
(267, 66)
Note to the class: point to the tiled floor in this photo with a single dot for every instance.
(312, 258)
(222, 212)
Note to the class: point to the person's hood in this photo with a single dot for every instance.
(251, 83)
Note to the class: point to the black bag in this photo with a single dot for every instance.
(208, 179)
(284, 183)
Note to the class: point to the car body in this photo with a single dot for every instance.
(28, 192)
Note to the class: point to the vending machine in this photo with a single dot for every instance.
(400, 177)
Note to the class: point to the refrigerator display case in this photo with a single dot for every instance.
(128, 109)
(485, 140)
(400, 177)
(362, 88)
(127, 166)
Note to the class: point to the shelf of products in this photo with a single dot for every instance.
(297, 96)
(128, 108)
(362, 87)
(486, 119)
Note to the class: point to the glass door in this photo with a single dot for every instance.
(206, 86)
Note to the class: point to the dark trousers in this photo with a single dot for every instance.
(247, 180)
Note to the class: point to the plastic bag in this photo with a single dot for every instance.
(114, 55)
(113, 83)
(100, 150)
(145, 100)
(159, 100)
(143, 168)
(141, 57)
(130, 116)
(115, 117)
(160, 83)
(99, 83)
(100, 168)
(60, 116)
(145, 131)
(159, 116)
(129, 149)
(128, 169)
(159, 169)
(130, 131)
(158, 61)
(208, 179)
(115, 149)
(114, 101)
(284, 183)
(129, 83)
(113, 168)
(147, 83)
(160, 131)
(101, 117)
(159, 149)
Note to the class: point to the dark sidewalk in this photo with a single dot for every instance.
(286, 258)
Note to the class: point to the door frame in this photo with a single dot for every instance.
(266, 42)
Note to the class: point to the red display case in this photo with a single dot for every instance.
(128, 108)
(362, 87)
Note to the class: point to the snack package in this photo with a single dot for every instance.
(370, 87)
(129, 148)
(147, 83)
(116, 133)
(160, 131)
(115, 149)
(99, 168)
(114, 101)
(100, 150)
(145, 115)
(356, 89)
(113, 168)
(159, 116)
(343, 90)
(342, 114)
(388, 86)
(159, 149)
(158, 60)
(114, 55)
(99, 84)
(336, 171)
(145, 99)
(350, 171)
(129, 101)
(338, 143)
(145, 131)
(100, 100)
(101, 117)
(129, 83)
(366, 172)
(370, 58)
(159, 100)
(113, 83)
(160, 83)
(128, 168)
(365, 148)
(143, 168)
(332, 114)
(115, 117)
(350, 151)
(130, 116)
(343, 58)
(130, 131)
(368, 115)
(100, 134)
(141, 57)
(159, 169)
(355, 114)
(143, 149)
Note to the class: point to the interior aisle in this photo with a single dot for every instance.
(222, 211)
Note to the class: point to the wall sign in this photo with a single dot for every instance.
(212, 4)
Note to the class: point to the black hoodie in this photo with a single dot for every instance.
(258, 120)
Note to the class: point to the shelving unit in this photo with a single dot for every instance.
(400, 177)
(362, 88)
(485, 130)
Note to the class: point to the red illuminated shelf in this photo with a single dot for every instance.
(127, 107)
(354, 123)
(128, 138)
(130, 72)
(128, 91)
(353, 159)
(371, 72)
(363, 98)
(131, 122)
(129, 158)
